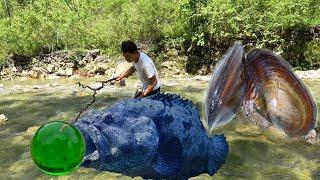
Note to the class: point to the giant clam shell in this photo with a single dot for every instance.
(275, 96)
(226, 87)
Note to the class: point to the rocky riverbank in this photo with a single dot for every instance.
(92, 63)
(73, 64)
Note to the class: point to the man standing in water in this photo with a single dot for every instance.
(145, 68)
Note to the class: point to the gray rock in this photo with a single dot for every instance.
(14, 69)
(69, 65)
(94, 52)
(51, 68)
(24, 73)
(100, 67)
(91, 55)
(101, 58)
(36, 72)
(42, 76)
(69, 71)
(61, 72)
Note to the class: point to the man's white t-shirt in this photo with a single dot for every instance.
(146, 69)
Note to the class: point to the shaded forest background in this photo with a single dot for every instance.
(199, 31)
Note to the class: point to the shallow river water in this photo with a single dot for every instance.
(254, 153)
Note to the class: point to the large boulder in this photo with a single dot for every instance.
(61, 72)
(51, 68)
(69, 71)
(101, 58)
(91, 55)
(36, 72)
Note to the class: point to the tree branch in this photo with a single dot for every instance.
(94, 95)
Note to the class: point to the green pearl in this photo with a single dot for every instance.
(57, 148)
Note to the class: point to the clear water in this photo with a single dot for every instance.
(254, 153)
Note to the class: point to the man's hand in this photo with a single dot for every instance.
(120, 77)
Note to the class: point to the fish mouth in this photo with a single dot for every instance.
(94, 140)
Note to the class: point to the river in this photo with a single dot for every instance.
(254, 153)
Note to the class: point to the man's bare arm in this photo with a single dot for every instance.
(153, 82)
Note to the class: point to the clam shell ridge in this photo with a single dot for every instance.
(226, 88)
(274, 95)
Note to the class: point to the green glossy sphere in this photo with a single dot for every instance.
(57, 148)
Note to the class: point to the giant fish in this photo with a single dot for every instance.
(158, 137)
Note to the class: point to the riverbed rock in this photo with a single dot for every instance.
(42, 76)
(3, 119)
(91, 55)
(69, 71)
(69, 65)
(53, 76)
(61, 72)
(5, 72)
(310, 74)
(101, 58)
(51, 68)
(24, 73)
(35, 73)
(14, 69)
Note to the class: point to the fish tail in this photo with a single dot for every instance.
(218, 153)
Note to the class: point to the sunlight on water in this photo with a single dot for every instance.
(254, 153)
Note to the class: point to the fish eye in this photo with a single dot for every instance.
(108, 118)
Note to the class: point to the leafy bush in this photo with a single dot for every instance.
(213, 26)
(201, 29)
(312, 53)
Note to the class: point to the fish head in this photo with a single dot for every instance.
(122, 143)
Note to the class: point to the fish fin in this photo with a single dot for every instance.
(172, 98)
(218, 153)
(168, 160)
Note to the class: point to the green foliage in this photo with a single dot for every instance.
(277, 25)
(312, 53)
(69, 24)
(204, 29)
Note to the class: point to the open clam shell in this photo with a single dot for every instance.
(226, 88)
(274, 95)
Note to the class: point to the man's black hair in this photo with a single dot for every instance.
(128, 46)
